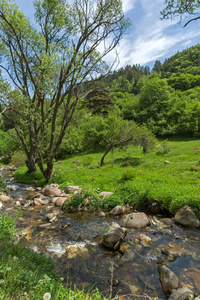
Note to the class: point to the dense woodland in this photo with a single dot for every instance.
(166, 100)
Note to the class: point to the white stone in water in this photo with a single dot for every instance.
(13, 187)
(101, 214)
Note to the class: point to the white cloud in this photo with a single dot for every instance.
(151, 39)
(128, 5)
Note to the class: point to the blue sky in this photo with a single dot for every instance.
(149, 38)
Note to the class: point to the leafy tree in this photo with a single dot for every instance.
(98, 100)
(114, 132)
(9, 143)
(157, 66)
(182, 8)
(49, 63)
(154, 102)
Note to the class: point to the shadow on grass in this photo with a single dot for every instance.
(129, 161)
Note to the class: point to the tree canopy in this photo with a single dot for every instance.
(183, 8)
(48, 64)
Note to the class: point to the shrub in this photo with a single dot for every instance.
(18, 159)
(87, 161)
(128, 174)
(94, 201)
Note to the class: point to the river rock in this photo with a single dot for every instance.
(128, 256)
(168, 279)
(166, 221)
(144, 238)
(117, 210)
(135, 220)
(39, 195)
(115, 225)
(5, 198)
(54, 199)
(38, 201)
(46, 225)
(73, 189)
(186, 217)
(182, 294)
(101, 214)
(13, 187)
(60, 201)
(113, 236)
(51, 191)
(50, 216)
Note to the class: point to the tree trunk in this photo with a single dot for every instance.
(102, 159)
(48, 171)
(30, 163)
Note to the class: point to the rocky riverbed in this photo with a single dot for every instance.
(151, 260)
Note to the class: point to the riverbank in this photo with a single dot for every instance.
(73, 240)
(169, 175)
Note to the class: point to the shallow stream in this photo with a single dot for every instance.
(72, 241)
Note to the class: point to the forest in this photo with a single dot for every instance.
(165, 100)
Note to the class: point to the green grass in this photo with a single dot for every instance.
(28, 275)
(136, 178)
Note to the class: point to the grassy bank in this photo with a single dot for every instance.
(134, 178)
(28, 275)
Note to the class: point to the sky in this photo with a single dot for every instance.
(149, 38)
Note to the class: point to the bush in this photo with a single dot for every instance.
(94, 201)
(128, 174)
(18, 159)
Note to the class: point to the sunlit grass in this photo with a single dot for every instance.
(174, 184)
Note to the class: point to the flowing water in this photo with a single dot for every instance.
(72, 241)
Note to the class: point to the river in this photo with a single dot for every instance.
(72, 242)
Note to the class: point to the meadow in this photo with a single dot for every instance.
(169, 174)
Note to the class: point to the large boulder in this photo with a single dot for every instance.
(186, 217)
(168, 279)
(51, 191)
(182, 294)
(113, 237)
(135, 220)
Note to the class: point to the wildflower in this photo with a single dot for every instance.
(46, 277)
(2, 281)
(9, 269)
(15, 257)
(47, 296)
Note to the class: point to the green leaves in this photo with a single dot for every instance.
(181, 8)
